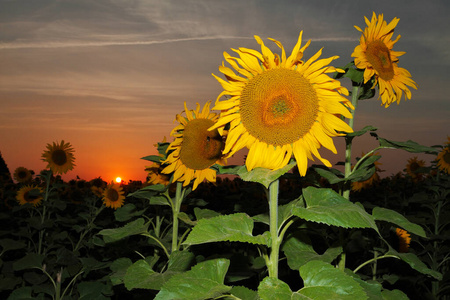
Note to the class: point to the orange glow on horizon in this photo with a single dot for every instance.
(118, 179)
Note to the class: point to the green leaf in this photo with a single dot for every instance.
(153, 158)
(234, 228)
(133, 228)
(180, 261)
(388, 215)
(244, 293)
(22, 293)
(414, 262)
(204, 213)
(299, 251)
(119, 269)
(394, 295)
(323, 281)
(204, 281)
(329, 175)
(10, 244)
(362, 131)
(273, 288)
(328, 207)
(29, 261)
(149, 191)
(94, 290)
(127, 212)
(264, 176)
(409, 146)
(139, 275)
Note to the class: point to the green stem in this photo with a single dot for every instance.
(373, 260)
(273, 215)
(176, 210)
(42, 231)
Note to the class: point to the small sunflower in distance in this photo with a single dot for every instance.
(404, 239)
(59, 157)
(22, 175)
(280, 106)
(195, 148)
(29, 194)
(113, 196)
(443, 158)
(412, 166)
(374, 54)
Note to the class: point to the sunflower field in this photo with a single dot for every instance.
(275, 227)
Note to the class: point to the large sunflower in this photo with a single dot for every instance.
(443, 158)
(59, 157)
(374, 54)
(113, 196)
(29, 194)
(280, 106)
(22, 175)
(195, 148)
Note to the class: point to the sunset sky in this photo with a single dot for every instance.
(109, 76)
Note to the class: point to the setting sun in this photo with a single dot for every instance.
(118, 179)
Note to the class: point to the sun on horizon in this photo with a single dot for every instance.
(118, 179)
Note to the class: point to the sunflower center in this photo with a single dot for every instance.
(379, 57)
(59, 157)
(200, 148)
(22, 174)
(279, 106)
(447, 157)
(30, 197)
(112, 195)
(414, 166)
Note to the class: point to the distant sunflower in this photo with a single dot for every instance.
(443, 158)
(280, 106)
(113, 196)
(59, 157)
(22, 175)
(29, 194)
(155, 176)
(404, 239)
(195, 148)
(359, 185)
(375, 55)
(412, 166)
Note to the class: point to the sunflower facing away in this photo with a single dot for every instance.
(195, 148)
(374, 54)
(443, 158)
(404, 240)
(29, 194)
(280, 106)
(22, 175)
(113, 196)
(59, 157)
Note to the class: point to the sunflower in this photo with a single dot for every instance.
(113, 196)
(443, 158)
(280, 106)
(359, 185)
(412, 167)
(22, 175)
(59, 157)
(155, 176)
(29, 194)
(195, 148)
(374, 54)
(404, 240)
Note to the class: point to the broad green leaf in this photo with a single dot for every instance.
(394, 295)
(388, 215)
(299, 251)
(186, 219)
(150, 191)
(94, 290)
(180, 261)
(234, 228)
(119, 269)
(284, 212)
(244, 293)
(409, 146)
(10, 244)
(137, 226)
(139, 275)
(29, 261)
(264, 176)
(414, 262)
(22, 293)
(328, 207)
(273, 288)
(127, 212)
(365, 169)
(204, 213)
(323, 281)
(204, 281)
(328, 175)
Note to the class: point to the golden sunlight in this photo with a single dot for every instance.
(118, 179)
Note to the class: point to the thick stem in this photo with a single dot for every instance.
(273, 215)
(175, 211)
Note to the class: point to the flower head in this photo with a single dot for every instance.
(443, 158)
(113, 196)
(374, 54)
(59, 157)
(29, 194)
(404, 240)
(280, 106)
(195, 148)
(155, 175)
(22, 175)
(412, 167)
